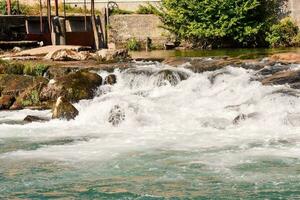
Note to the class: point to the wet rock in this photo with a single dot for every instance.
(56, 72)
(243, 117)
(67, 55)
(112, 55)
(171, 76)
(269, 70)
(31, 118)
(14, 85)
(63, 109)
(6, 102)
(116, 115)
(30, 97)
(288, 77)
(214, 75)
(110, 79)
(74, 87)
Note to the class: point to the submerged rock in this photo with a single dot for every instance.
(110, 79)
(116, 115)
(31, 118)
(243, 117)
(6, 102)
(74, 86)
(63, 109)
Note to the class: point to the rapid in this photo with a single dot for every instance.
(218, 134)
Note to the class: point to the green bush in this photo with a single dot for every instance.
(283, 34)
(22, 9)
(14, 68)
(133, 45)
(120, 12)
(147, 9)
(214, 23)
(35, 69)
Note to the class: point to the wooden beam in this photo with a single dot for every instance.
(8, 7)
(95, 30)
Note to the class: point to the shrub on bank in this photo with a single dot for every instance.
(284, 34)
(133, 45)
(219, 23)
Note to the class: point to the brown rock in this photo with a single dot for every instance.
(110, 80)
(63, 109)
(74, 87)
(31, 118)
(288, 77)
(112, 55)
(287, 57)
(67, 55)
(6, 102)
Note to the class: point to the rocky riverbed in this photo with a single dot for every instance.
(38, 86)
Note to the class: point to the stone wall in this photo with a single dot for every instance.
(294, 7)
(124, 27)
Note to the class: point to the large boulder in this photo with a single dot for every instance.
(6, 102)
(112, 55)
(287, 57)
(67, 55)
(63, 109)
(14, 85)
(287, 77)
(73, 86)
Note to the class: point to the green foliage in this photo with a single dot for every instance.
(32, 99)
(22, 9)
(133, 45)
(217, 22)
(147, 9)
(120, 12)
(35, 69)
(283, 34)
(14, 68)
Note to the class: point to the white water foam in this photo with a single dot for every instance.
(195, 115)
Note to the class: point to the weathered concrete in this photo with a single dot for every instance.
(294, 7)
(140, 27)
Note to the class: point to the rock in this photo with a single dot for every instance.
(63, 109)
(31, 96)
(16, 49)
(116, 115)
(112, 55)
(31, 118)
(14, 85)
(243, 117)
(287, 57)
(171, 76)
(74, 86)
(110, 79)
(56, 72)
(287, 77)
(6, 102)
(269, 70)
(67, 55)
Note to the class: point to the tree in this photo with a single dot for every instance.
(215, 23)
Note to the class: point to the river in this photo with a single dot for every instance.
(178, 141)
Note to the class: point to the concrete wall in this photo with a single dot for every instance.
(124, 27)
(294, 7)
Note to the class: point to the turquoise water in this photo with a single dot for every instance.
(177, 142)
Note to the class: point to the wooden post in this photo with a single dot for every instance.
(8, 7)
(95, 31)
(85, 20)
(56, 7)
(49, 14)
(41, 17)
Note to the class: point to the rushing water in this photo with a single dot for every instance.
(177, 141)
